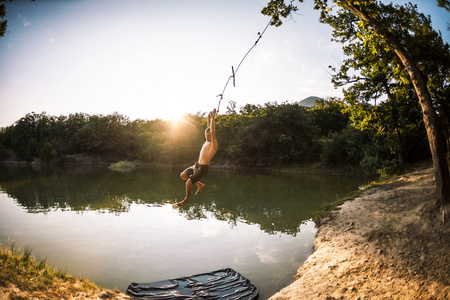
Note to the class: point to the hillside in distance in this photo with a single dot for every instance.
(309, 101)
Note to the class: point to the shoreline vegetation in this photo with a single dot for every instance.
(387, 241)
(274, 135)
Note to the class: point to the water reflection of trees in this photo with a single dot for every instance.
(276, 203)
(43, 189)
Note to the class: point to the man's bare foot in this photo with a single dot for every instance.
(182, 203)
(200, 187)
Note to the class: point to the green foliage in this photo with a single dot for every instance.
(277, 9)
(113, 137)
(390, 49)
(346, 148)
(3, 21)
(444, 3)
(273, 134)
(262, 135)
(353, 134)
(371, 33)
(329, 115)
(373, 72)
(270, 135)
(4, 143)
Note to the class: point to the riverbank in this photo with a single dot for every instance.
(387, 243)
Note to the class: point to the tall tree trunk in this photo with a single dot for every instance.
(435, 137)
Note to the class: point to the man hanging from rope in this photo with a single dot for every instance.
(193, 174)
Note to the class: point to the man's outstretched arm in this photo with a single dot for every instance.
(208, 121)
(212, 125)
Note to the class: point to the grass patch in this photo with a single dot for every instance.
(21, 269)
(122, 166)
(36, 279)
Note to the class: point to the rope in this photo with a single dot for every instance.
(234, 72)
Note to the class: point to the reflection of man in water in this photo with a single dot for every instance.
(193, 174)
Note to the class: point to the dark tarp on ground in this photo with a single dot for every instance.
(221, 284)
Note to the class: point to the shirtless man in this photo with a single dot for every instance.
(193, 174)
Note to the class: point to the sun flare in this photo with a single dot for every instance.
(177, 120)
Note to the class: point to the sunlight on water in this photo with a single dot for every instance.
(111, 229)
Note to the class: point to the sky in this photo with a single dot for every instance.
(162, 59)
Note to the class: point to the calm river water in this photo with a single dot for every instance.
(116, 228)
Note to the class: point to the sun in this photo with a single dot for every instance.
(178, 123)
(177, 119)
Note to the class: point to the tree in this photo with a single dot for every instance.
(374, 71)
(329, 115)
(3, 21)
(275, 134)
(444, 3)
(386, 22)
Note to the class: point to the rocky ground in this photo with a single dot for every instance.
(388, 243)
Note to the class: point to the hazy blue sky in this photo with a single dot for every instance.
(157, 59)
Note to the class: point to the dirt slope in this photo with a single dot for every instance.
(389, 243)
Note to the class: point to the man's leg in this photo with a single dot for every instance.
(188, 193)
(184, 176)
(200, 186)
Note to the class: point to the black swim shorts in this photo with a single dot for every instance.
(196, 172)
